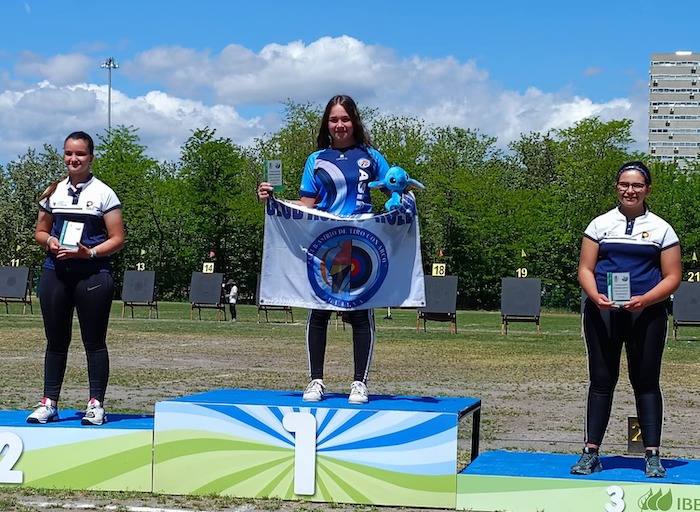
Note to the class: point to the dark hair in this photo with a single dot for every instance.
(82, 136)
(638, 166)
(359, 131)
(74, 136)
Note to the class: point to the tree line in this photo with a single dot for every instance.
(486, 212)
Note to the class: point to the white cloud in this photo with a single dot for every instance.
(61, 69)
(46, 113)
(195, 88)
(442, 91)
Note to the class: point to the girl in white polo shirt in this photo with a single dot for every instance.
(628, 239)
(77, 277)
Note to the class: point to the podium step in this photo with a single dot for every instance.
(65, 454)
(529, 482)
(394, 450)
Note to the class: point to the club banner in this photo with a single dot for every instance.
(313, 259)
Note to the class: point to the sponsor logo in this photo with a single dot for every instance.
(346, 266)
(655, 500)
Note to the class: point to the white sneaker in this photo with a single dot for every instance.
(94, 414)
(46, 412)
(314, 391)
(358, 393)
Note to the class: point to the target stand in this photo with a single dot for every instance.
(138, 290)
(15, 288)
(205, 293)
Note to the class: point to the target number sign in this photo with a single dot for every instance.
(439, 269)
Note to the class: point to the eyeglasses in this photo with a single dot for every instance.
(637, 187)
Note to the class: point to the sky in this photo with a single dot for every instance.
(502, 67)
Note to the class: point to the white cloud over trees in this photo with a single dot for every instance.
(189, 88)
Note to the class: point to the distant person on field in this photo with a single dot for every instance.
(77, 279)
(232, 298)
(628, 238)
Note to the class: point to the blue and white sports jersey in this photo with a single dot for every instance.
(86, 203)
(632, 246)
(338, 178)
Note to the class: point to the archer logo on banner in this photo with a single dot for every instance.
(316, 260)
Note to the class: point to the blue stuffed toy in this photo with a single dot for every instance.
(396, 181)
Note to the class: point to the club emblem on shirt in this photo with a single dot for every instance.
(364, 163)
(645, 234)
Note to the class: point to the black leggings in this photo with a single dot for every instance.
(362, 322)
(91, 296)
(644, 336)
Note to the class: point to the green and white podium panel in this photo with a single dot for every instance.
(532, 482)
(116, 456)
(395, 450)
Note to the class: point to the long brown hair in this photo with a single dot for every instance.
(91, 149)
(360, 133)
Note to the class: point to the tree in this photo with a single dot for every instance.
(22, 181)
(220, 181)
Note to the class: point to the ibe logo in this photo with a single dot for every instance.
(656, 500)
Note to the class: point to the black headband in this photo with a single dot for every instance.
(635, 166)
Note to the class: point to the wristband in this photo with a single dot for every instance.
(93, 254)
(48, 247)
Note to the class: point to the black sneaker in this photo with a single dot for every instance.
(588, 463)
(653, 467)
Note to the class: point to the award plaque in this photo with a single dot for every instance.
(70, 235)
(619, 290)
(273, 174)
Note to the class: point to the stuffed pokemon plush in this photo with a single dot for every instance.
(396, 181)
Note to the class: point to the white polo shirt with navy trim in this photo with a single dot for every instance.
(87, 202)
(630, 245)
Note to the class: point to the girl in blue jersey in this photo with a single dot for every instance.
(335, 180)
(628, 239)
(79, 278)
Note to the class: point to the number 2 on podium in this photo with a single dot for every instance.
(14, 446)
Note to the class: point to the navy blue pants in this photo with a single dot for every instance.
(91, 296)
(644, 336)
(362, 322)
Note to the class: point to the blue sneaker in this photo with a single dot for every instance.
(653, 467)
(588, 463)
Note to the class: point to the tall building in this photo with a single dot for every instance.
(674, 106)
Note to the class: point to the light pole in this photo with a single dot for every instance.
(109, 64)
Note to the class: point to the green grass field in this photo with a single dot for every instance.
(532, 387)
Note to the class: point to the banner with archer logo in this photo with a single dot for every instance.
(313, 259)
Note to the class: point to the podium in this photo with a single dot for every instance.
(394, 450)
(67, 455)
(528, 482)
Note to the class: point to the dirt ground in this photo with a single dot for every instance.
(532, 387)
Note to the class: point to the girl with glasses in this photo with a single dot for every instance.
(632, 242)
